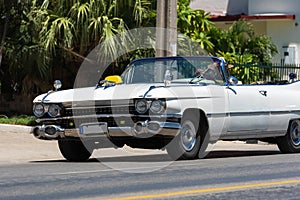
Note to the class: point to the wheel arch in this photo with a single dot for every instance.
(289, 143)
(290, 121)
(203, 121)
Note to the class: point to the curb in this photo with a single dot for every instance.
(11, 127)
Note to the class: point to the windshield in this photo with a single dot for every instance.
(174, 69)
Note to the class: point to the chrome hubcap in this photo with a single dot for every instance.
(295, 133)
(188, 136)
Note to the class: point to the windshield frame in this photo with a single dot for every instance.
(220, 66)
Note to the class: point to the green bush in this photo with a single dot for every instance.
(18, 120)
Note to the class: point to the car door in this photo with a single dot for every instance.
(248, 108)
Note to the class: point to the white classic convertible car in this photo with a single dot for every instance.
(175, 103)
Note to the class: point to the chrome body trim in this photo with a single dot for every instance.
(109, 115)
(144, 129)
(252, 135)
(148, 128)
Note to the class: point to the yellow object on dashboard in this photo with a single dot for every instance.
(116, 79)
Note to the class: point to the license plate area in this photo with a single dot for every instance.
(93, 129)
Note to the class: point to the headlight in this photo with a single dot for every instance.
(141, 106)
(38, 110)
(157, 106)
(54, 110)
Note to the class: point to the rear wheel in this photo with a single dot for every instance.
(74, 150)
(290, 143)
(187, 144)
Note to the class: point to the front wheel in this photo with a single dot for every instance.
(74, 150)
(290, 143)
(187, 144)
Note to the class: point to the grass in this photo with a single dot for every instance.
(18, 120)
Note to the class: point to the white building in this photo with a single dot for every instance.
(276, 18)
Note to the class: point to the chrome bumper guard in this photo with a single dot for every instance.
(141, 130)
(54, 132)
(146, 129)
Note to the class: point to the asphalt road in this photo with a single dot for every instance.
(245, 173)
(272, 176)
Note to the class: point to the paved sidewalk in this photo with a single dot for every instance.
(17, 145)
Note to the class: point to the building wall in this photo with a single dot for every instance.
(273, 6)
(260, 26)
(221, 7)
(285, 34)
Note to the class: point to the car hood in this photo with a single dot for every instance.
(118, 92)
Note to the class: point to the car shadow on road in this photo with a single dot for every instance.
(166, 158)
(231, 153)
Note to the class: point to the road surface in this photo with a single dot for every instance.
(33, 169)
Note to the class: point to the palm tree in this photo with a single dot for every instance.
(46, 33)
(18, 51)
(81, 25)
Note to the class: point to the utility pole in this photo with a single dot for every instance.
(166, 32)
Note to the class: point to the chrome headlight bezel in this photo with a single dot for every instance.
(158, 106)
(151, 106)
(54, 110)
(38, 109)
(141, 106)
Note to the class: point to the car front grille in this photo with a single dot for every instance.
(105, 110)
(113, 115)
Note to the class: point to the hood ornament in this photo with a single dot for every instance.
(57, 84)
(168, 78)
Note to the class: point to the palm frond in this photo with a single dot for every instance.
(60, 32)
(114, 39)
(141, 9)
(95, 27)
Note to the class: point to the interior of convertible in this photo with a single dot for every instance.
(187, 71)
(198, 70)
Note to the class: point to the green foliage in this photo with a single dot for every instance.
(241, 68)
(42, 33)
(18, 120)
(195, 24)
(22, 55)
(245, 69)
(241, 47)
(240, 39)
(79, 26)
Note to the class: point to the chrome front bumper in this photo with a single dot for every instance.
(53, 132)
(142, 129)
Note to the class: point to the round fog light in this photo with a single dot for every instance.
(138, 128)
(50, 130)
(153, 126)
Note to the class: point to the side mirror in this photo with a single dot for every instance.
(115, 79)
(292, 77)
(232, 80)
